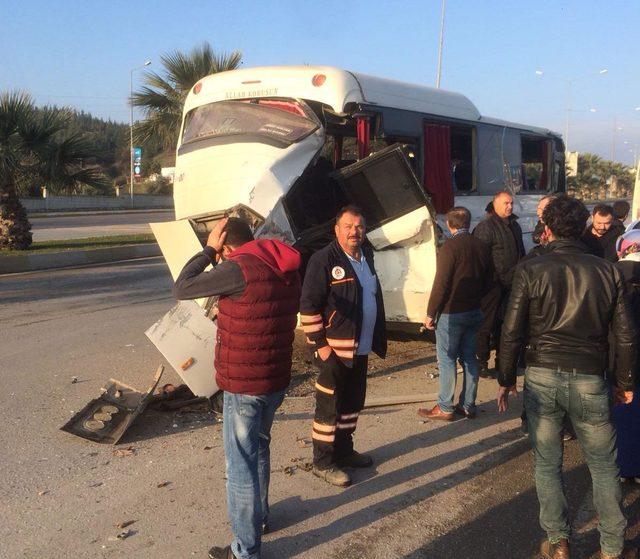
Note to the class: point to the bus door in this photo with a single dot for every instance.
(400, 226)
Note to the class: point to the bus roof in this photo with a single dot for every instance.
(339, 88)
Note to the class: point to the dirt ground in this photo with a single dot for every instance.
(448, 491)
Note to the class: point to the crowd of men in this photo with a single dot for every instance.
(563, 314)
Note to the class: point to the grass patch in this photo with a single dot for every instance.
(82, 244)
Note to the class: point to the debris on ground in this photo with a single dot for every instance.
(106, 418)
(44, 492)
(74, 380)
(298, 464)
(124, 524)
(121, 535)
(96, 484)
(124, 452)
(171, 397)
(163, 484)
(304, 441)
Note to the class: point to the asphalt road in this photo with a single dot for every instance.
(95, 225)
(458, 490)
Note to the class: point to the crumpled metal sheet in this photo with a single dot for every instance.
(106, 418)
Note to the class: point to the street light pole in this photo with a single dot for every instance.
(147, 62)
(568, 101)
(613, 143)
(568, 107)
(438, 76)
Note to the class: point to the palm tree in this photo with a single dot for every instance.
(34, 147)
(162, 98)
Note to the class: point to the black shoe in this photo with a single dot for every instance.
(355, 460)
(459, 410)
(484, 371)
(221, 553)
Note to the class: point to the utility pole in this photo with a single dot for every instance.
(439, 75)
(131, 125)
(613, 143)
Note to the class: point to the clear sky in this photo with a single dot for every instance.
(79, 53)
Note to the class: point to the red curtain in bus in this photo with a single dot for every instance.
(437, 166)
(363, 128)
(337, 150)
(544, 175)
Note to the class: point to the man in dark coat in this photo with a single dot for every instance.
(342, 314)
(561, 308)
(601, 236)
(501, 232)
(464, 273)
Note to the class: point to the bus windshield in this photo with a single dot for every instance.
(278, 123)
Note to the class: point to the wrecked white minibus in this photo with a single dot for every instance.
(286, 147)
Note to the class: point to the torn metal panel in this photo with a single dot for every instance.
(257, 175)
(186, 336)
(414, 227)
(277, 226)
(406, 275)
(106, 418)
(178, 243)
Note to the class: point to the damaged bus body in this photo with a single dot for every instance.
(286, 147)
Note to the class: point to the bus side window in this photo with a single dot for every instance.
(462, 159)
(535, 163)
(490, 161)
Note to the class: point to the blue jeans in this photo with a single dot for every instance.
(456, 339)
(549, 396)
(246, 433)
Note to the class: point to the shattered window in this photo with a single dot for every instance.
(246, 122)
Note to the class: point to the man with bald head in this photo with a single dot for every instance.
(502, 234)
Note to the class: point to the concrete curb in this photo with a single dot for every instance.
(70, 258)
(38, 215)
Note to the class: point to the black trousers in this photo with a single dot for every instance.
(491, 309)
(340, 394)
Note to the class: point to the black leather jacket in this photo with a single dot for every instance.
(561, 307)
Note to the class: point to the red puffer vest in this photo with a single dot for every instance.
(256, 330)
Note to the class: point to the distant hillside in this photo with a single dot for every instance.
(111, 141)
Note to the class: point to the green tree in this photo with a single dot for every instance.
(36, 148)
(162, 98)
(596, 174)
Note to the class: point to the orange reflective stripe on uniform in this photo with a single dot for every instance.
(321, 428)
(334, 282)
(308, 318)
(324, 389)
(342, 343)
(346, 425)
(331, 318)
(311, 322)
(344, 353)
(323, 438)
(349, 415)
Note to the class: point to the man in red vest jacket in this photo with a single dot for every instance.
(259, 288)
